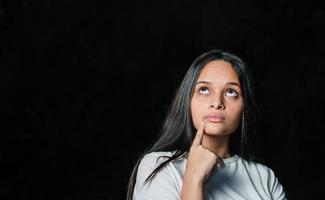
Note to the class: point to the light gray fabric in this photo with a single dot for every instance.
(238, 180)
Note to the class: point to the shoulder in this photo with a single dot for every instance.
(251, 168)
(154, 159)
(151, 161)
(256, 166)
(266, 176)
(159, 156)
(165, 185)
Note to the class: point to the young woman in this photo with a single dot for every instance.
(200, 152)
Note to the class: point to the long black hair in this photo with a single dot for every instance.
(177, 131)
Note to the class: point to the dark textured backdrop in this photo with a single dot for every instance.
(85, 85)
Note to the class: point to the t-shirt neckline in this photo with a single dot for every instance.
(234, 158)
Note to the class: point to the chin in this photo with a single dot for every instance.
(214, 130)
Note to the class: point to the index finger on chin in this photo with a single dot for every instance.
(199, 135)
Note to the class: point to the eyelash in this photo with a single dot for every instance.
(206, 88)
(200, 89)
(236, 93)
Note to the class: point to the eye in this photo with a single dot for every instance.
(204, 90)
(231, 93)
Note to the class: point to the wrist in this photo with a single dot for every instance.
(195, 181)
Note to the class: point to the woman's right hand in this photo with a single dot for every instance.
(200, 164)
(201, 161)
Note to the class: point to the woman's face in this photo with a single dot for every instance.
(217, 99)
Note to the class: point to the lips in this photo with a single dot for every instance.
(217, 118)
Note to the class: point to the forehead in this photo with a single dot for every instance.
(218, 71)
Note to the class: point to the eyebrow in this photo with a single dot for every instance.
(228, 83)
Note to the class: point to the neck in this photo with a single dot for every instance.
(217, 144)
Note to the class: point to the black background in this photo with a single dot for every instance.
(85, 85)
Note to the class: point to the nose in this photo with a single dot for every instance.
(217, 103)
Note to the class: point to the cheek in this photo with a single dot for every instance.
(237, 114)
(195, 114)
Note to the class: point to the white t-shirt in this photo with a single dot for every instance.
(238, 180)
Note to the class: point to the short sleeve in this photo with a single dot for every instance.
(161, 187)
(275, 187)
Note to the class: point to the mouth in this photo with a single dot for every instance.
(215, 118)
